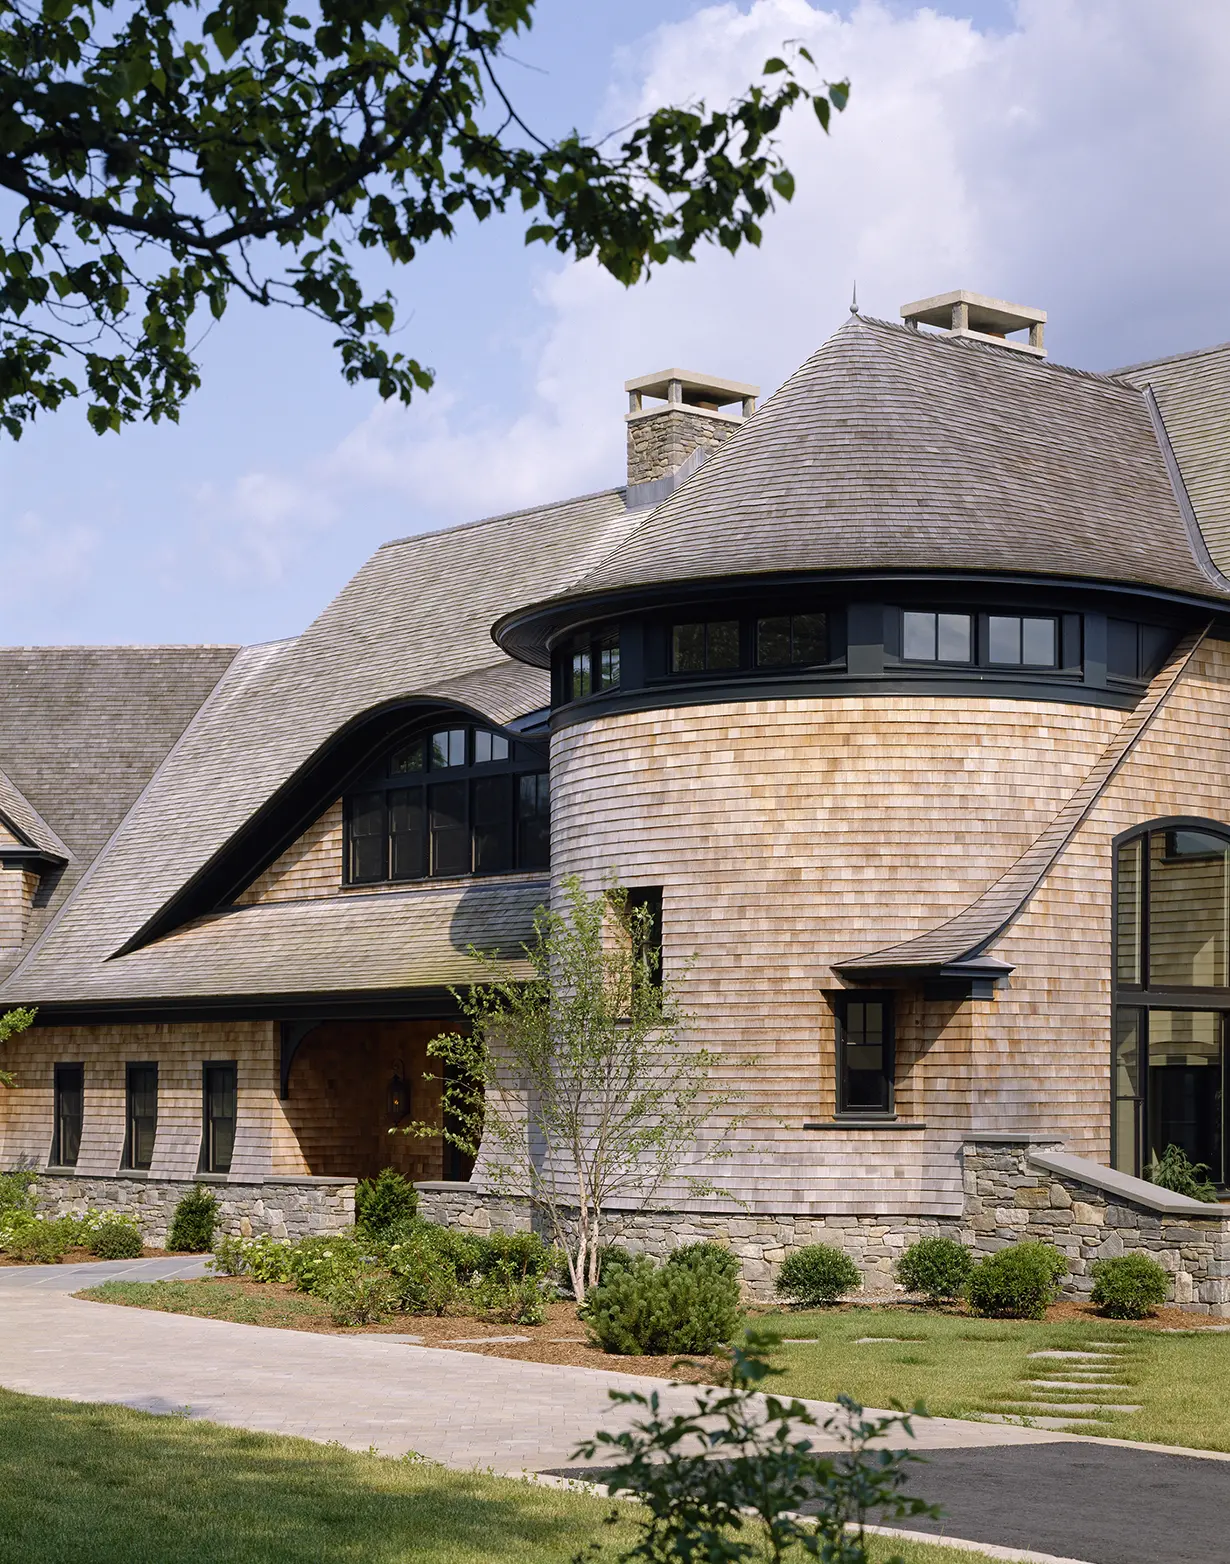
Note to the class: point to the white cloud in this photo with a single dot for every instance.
(252, 532)
(37, 553)
(1076, 162)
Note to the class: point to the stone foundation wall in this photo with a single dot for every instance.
(1009, 1198)
(281, 1208)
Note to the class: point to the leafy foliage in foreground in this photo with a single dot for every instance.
(44, 1240)
(165, 157)
(727, 1481)
(11, 1021)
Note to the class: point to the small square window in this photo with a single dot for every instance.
(933, 637)
(791, 640)
(580, 670)
(722, 644)
(773, 642)
(1038, 643)
(1016, 641)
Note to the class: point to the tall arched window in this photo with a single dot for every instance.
(454, 799)
(1172, 993)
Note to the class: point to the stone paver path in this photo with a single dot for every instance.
(1081, 1375)
(363, 1391)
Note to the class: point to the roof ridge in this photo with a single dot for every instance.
(951, 341)
(507, 515)
(1171, 358)
(126, 646)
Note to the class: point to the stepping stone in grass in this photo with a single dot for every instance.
(866, 1341)
(1055, 1352)
(1055, 1424)
(1072, 1384)
(1066, 1408)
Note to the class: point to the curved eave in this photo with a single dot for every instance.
(529, 634)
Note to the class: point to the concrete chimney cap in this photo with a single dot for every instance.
(707, 386)
(998, 314)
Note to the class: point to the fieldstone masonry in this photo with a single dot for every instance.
(1020, 1189)
(661, 439)
(282, 1208)
(1016, 1187)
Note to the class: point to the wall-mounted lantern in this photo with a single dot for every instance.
(398, 1094)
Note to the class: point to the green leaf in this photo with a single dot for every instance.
(783, 183)
(772, 66)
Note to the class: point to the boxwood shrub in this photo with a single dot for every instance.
(1018, 1282)
(1129, 1287)
(816, 1274)
(937, 1267)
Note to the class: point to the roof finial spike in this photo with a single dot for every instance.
(854, 298)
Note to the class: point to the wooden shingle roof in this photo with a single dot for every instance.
(897, 450)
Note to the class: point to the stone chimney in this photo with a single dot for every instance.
(964, 314)
(668, 441)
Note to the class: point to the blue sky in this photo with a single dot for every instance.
(1065, 153)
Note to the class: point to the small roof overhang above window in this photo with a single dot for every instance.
(970, 977)
(36, 859)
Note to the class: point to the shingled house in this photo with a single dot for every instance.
(907, 696)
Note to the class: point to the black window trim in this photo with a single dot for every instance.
(205, 1160)
(884, 997)
(1146, 996)
(130, 1066)
(526, 757)
(57, 1147)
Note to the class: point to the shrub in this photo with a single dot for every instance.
(937, 1267)
(118, 1239)
(710, 1258)
(1129, 1287)
(317, 1264)
(268, 1259)
(361, 1298)
(230, 1256)
(643, 1308)
(1018, 1282)
(1175, 1171)
(382, 1202)
(16, 1193)
(816, 1274)
(613, 1258)
(517, 1301)
(39, 1241)
(192, 1226)
(516, 1257)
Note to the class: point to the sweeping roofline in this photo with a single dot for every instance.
(530, 634)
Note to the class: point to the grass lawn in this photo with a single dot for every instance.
(961, 1367)
(113, 1486)
(218, 1300)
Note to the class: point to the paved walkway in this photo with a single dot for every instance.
(363, 1391)
(1024, 1488)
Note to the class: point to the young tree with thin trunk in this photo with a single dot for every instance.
(578, 1084)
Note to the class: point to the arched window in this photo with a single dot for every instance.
(451, 800)
(1172, 993)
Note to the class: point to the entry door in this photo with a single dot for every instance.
(1186, 1067)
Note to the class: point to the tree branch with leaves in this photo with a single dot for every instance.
(161, 160)
(11, 1023)
(578, 1087)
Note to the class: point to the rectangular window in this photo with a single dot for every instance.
(1125, 1086)
(142, 1115)
(793, 640)
(1016, 641)
(448, 748)
(492, 815)
(606, 661)
(645, 922)
(221, 1102)
(69, 1114)
(489, 747)
(580, 670)
(534, 821)
(368, 837)
(406, 837)
(705, 647)
(931, 637)
(1129, 924)
(450, 829)
(1135, 651)
(864, 1056)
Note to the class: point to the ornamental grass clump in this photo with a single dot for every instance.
(817, 1274)
(936, 1267)
(689, 1304)
(1017, 1283)
(1129, 1287)
(192, 1226)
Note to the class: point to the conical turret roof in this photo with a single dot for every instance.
(896, 450)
